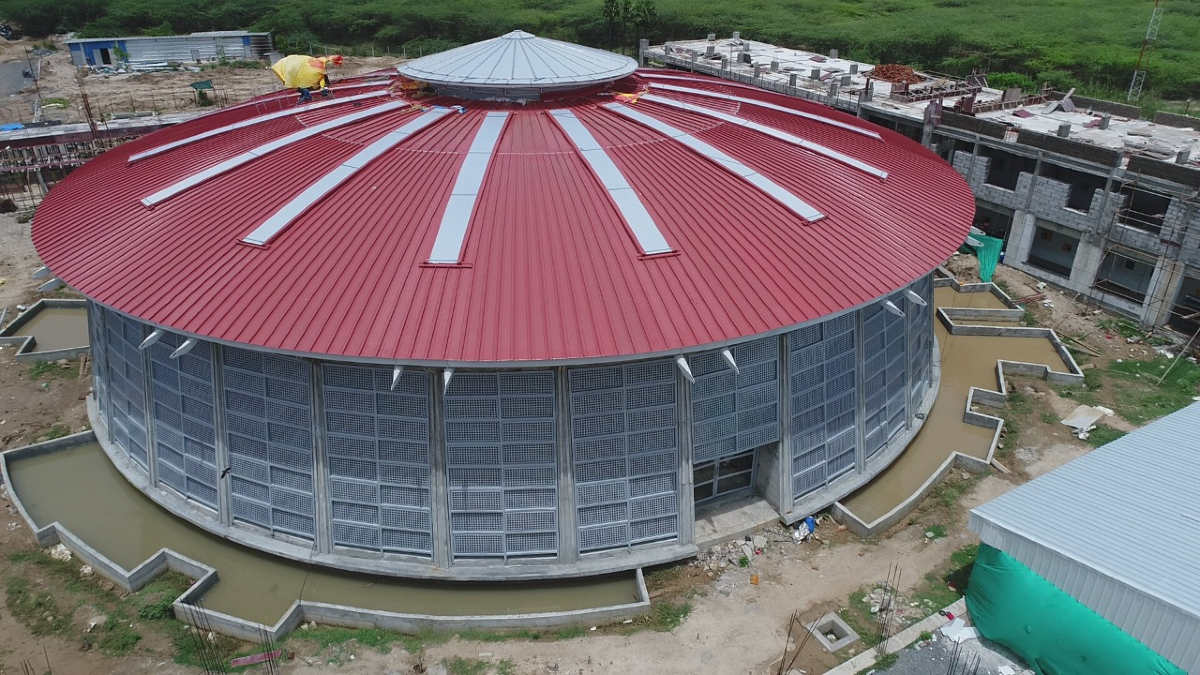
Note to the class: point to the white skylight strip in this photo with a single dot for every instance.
(447, 246)
(249, 123)
(650, 239)
(250, 155)
(330, 181)
(764, 104)
(771, 131)
(776, 191)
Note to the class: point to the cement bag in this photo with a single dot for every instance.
(1054, 633)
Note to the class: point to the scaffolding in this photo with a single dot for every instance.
(1128, 223)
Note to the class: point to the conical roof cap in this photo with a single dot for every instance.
(517, 64)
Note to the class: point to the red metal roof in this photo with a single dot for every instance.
(550, 270)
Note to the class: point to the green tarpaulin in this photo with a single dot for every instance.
(1054, 633)
(988, 254)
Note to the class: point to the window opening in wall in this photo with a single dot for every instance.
(722, 477)
(1124, 277)
(1143, 209)
(1053, 251)
(1005, 168)
(1082, 185)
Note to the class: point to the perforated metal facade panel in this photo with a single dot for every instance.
(182, 410)
(824, 402)
(732, 412)
(96, 338)
(884, 373)
(378, 444)
(269, 427)
(623, 432)
(502, 473)
(920, 339)
(126, 386)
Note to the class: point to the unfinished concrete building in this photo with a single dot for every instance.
(1087, 195)
(518, 311)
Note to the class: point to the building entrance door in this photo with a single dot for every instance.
(723, 476)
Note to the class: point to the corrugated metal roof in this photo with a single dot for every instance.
(519, 59)
(1118, 529)
(550, 271)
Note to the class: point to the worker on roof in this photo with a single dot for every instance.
(306, 73)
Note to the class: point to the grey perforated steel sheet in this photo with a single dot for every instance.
(184, 438)
(269, 427)
(378, 444)
(623, 432)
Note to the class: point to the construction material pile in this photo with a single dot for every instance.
(891, 72)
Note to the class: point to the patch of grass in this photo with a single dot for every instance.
(743, 561)
(35, 609)
(1093, 380)
(951, 489)
(26, 215)
(1049, 418)
(925, 636)
(662, 575)
(49, 370)
(1123, 327)
(194, 649)
(457, 665)
(56, 431)
(665, 615)
(882, 663)
(375, 638)
(1148, 400)
(118, 637)
(1103, 435)
(938, 531)
(53, 100)
(1083, 396)
(506, 667)
(857, 615)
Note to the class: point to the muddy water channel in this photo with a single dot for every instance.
(81, 489)
(55, 328)
(966, 362)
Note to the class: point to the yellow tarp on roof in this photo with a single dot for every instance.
(299, 70)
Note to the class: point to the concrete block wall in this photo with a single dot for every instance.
(975, 170)
(1049, 202)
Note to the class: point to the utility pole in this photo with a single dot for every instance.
(1139, 73)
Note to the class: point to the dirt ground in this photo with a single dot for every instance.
(162, 92)
(734, 626)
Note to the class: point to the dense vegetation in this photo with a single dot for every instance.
(1092, 44)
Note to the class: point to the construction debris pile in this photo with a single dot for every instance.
(891, 72)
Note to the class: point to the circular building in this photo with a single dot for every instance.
(520, 309)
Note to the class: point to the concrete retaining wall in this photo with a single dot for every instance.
(186, 606)
(976, 396)
(27, 343)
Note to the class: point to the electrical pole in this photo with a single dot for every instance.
(1139, 73)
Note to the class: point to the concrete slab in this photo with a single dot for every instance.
(732, 519)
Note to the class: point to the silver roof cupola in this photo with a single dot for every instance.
(517, 66)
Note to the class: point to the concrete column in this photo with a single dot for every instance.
(683, 441)
(1164, 287)
(148, 407)
(1088, 256)
(643, 45)
(106, 412)
(568, 530)
(221, 439)
(439, 497)
(323, 505)
(974, 156)
(910, 309)
(784, 465)
(1020, 237)
(860, 397)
